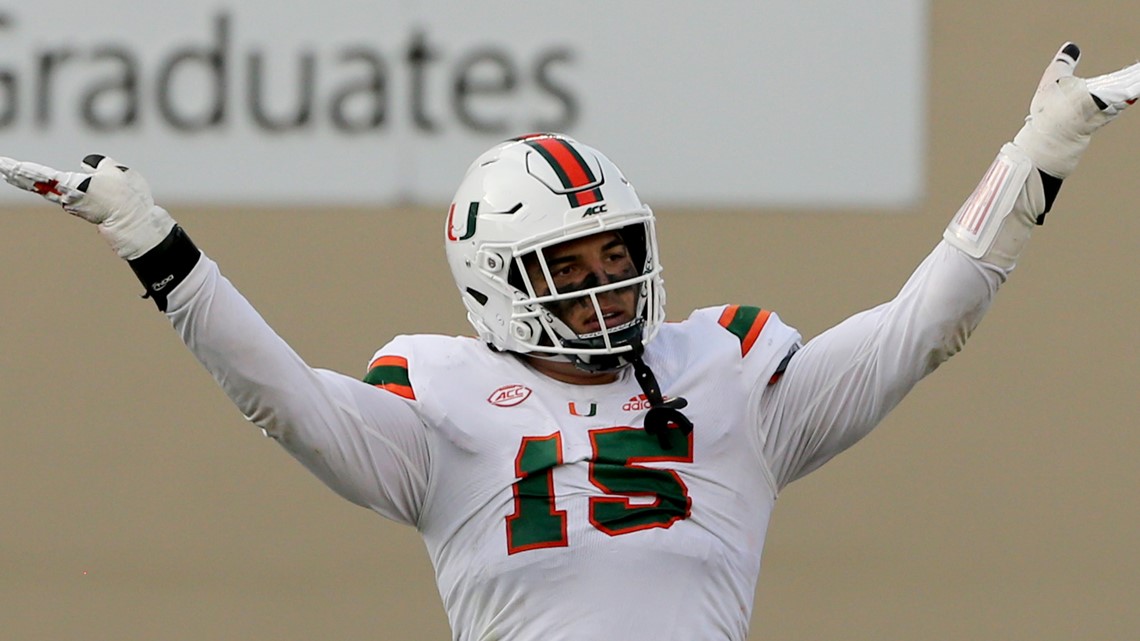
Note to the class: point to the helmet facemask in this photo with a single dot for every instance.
(590, 297)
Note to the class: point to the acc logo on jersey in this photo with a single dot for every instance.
(509, 395)
(636, 403)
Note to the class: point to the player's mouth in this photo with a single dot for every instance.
(612, 318)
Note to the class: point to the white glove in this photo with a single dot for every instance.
(115, 198)
(996, 221)
(1067, 110)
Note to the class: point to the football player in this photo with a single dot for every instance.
(580, 469)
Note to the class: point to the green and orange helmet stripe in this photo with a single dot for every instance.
(391, 373)
(745, 323)
(571, 168)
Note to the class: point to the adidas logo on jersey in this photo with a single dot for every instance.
(636, 403)
(509, 395)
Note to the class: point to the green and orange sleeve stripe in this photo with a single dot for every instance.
(745, 323)
(391, 373)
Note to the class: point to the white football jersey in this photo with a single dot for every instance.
(550, 513)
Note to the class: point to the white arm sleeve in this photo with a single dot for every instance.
(844, 381)
(368, 445)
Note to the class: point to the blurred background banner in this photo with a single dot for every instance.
(354, 103)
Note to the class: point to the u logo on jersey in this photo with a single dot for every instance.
(577, 411)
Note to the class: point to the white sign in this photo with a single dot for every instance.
(381, 102)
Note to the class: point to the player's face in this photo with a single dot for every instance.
(583, 263)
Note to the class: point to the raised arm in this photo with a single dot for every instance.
(368, 445)
(844, 381)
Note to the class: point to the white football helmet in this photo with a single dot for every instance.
(528, 194)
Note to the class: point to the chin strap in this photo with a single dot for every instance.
(663, 414)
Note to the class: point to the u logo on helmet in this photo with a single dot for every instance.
(469, 229)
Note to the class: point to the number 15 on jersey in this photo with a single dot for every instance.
(615, 469)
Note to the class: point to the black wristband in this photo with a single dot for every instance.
(162, 268)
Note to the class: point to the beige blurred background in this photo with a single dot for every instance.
(1001, 500)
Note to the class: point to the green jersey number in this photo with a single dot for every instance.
(663, 498)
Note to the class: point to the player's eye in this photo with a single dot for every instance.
(564, 274)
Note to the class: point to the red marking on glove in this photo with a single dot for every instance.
(49, 187)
